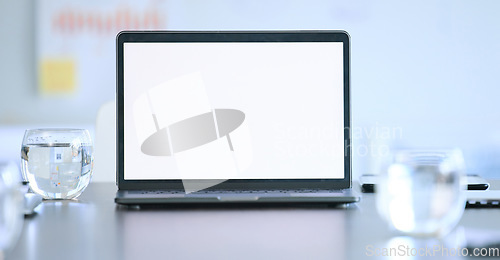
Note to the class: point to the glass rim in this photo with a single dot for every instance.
(56, 136)
(425, 149)
(56, 130)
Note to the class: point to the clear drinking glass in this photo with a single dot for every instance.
(422, 192)
(57, 162)
(11, 208)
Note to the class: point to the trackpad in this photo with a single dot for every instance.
(316, 195)
(237, 198)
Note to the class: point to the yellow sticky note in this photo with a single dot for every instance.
(57, 76)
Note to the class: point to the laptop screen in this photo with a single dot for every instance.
(233, 110)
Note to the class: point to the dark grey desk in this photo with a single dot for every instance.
(95, 228)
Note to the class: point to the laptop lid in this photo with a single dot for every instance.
(233, 110)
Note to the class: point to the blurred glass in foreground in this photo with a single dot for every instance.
(422, 192)
(11, 208)
(57, 163)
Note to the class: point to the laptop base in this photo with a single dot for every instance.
(140, 197)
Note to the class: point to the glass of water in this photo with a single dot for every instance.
(422, 192)
(11, 208)
(57, 163)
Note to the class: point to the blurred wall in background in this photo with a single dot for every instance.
(424, 73)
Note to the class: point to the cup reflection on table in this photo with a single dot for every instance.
(422, 192)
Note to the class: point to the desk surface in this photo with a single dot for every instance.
(93, 227)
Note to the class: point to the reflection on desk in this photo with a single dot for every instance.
(93, 227)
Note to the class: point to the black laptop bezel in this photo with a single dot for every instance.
(233, 36)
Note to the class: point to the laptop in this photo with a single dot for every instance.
(233, 117)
